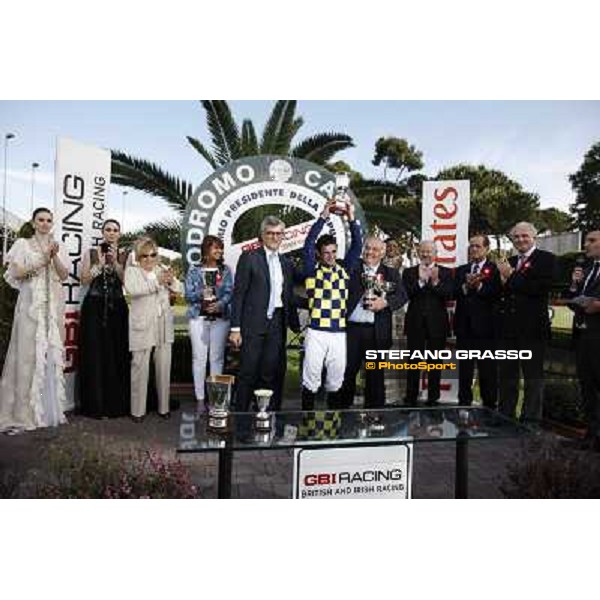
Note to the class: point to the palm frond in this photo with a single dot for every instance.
(166, 233)
(148, 177)
(285, 131)
(298, 122)
(223, 130)
(249, 141)
(197, 145)
(269, 136)
(322, 147)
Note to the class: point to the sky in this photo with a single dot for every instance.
(537, 143)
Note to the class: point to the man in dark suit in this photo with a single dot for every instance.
(524, 323)
(585, 286)
(477, 289)
(262, 310)
(429, 287)
(370, 323)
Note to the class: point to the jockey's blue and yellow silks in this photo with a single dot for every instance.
(327, 287)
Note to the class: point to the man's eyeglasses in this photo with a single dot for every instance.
(274, 233)
(151, 255)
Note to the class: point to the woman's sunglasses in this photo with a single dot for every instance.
(151, 255)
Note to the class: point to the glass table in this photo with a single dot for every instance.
(343, 428)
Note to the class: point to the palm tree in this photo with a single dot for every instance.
(229, 143)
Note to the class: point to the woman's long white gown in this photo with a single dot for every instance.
(32, 390)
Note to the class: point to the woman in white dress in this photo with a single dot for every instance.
(32, 390)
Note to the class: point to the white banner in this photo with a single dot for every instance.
(445, 221)
(82, 178)
(356, 472)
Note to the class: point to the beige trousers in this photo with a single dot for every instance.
(140, 366)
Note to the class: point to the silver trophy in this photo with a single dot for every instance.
(375, 287)
(369, 282)
(219, 397)
(342, 184)
(387, 287)
(263, 419)
(209, 290)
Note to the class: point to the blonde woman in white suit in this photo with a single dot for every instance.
(150, 325)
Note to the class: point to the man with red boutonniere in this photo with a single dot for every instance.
(524, 323)
(477, 289)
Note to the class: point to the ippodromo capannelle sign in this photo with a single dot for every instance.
(256, 181)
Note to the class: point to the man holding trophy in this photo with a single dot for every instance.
(326, 283)
(375, 291)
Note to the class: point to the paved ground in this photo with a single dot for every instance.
(257, 474)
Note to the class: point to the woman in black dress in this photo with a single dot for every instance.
(104, 363)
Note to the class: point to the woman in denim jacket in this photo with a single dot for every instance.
(209, 319)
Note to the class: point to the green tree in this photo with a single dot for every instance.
(497, 201)
(229, 142)
(397, 154)
(341, 166)
(586, 184)
(553, 220)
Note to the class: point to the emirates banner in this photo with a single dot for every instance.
(445, 221)
(82, 178)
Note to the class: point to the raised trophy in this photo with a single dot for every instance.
(209, 290)
(263, 419)
(342, 184)
(219, 397)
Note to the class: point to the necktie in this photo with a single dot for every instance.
(475, 269)
(522, 259)
(271, 261)
(592, 278)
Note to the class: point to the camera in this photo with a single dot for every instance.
(104, 247)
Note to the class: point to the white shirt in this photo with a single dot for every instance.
(276, 277)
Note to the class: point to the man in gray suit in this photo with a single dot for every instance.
(262, 309)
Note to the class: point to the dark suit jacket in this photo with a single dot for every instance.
(252, 289)
(395, 299)
(427, 314)
(523, 309)
(475, 312)
(592, 321)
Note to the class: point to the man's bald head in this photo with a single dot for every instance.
(426, 252)
(373, 250)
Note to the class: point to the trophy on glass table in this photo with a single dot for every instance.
(219, 397)
(209, 290)
(263, 419)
